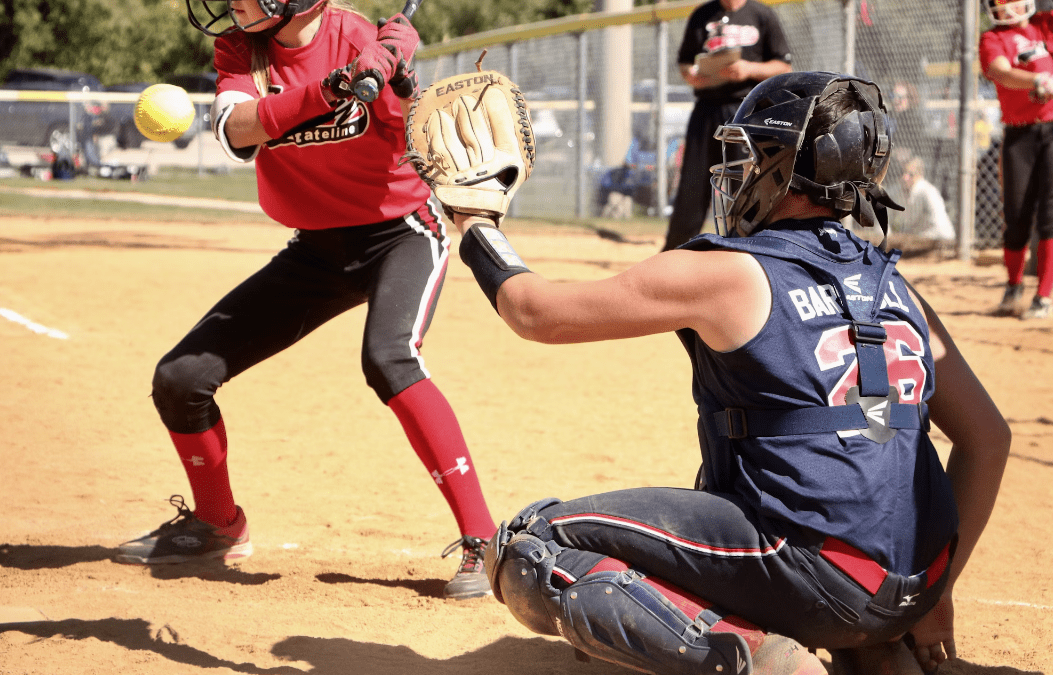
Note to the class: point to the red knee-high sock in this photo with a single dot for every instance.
(204, 458)
(433, 431)
(1044, 260)
(1014, 264)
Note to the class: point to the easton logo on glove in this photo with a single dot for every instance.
(470, 138)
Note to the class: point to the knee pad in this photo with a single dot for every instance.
(519, 568)
(616, 617)
(527, 519)
(183, 397)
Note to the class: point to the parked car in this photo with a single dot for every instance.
(123, 126)
(635, 177)
(47, 123)
(122, 117)
(197, 83)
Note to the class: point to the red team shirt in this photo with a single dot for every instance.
(342, 168)
(1025, 47)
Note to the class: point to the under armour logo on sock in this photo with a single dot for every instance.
(196, 461)
(462, 467)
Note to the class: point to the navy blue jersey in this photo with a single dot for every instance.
(888, 497)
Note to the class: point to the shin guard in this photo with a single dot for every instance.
(617, 617)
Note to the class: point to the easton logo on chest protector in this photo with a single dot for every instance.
(348, 120)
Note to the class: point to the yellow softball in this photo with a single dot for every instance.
(164, 112)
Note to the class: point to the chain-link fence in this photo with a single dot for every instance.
(62, 134)
(911, 49)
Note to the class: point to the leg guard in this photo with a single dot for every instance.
(616, 617)
(520, 575)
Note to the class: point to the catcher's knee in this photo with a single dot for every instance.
(617, 617)
(520, 574)
(519, 567)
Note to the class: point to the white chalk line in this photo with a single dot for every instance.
(15, 317)
(1006, 603)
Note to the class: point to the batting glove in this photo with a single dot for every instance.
(382, 60)
(404, 83)
(1042, 88)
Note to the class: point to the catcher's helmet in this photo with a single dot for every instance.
(216, 17)
(1008, 12)
(841, 167)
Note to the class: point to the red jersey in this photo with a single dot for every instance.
(1025, 47)
(342, 168)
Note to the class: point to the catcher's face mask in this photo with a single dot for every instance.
(218, 17)
(1009, 12)
(731, 176)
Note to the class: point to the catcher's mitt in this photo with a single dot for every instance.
(470, 139)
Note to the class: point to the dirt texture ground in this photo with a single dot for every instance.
(347, 526)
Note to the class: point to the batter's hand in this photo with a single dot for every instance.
(396, 41)
(934, 635)
(1042, 88)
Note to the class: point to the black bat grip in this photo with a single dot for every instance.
(367, 89)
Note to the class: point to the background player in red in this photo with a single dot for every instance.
(716, 26)
(822, 512)
(1015, 58)
(327, 165)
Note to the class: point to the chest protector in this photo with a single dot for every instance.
(820, 420)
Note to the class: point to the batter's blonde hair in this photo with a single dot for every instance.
(260, 64)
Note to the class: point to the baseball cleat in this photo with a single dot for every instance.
(1010, 301)
(470, 580)
(186, 538)
(1041, 308)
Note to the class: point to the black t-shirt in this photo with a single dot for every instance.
(754, 28)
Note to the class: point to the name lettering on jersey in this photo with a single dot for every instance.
(815, 301)
(348, 120)
(467, 82)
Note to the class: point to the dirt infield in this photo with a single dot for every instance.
(347, 526)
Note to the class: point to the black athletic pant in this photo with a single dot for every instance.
(1027, 183)
(701, 151)
(773, 575)
(396, 266)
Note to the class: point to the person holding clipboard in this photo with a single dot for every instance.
(729, 47)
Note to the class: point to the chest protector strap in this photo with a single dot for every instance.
(740, 423)
(874, 404)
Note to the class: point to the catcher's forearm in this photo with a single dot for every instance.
(491, 258)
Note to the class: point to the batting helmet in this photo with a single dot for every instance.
(837, 159)
(1008, 12)
(216, 18)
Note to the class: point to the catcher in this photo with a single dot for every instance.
(822, 516)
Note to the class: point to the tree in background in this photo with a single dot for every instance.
(440, 20)
(148, 40)
(115, 40)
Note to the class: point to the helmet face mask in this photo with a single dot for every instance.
(1009, 12)
(731, 175)
(217, 17)
(841, 168)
